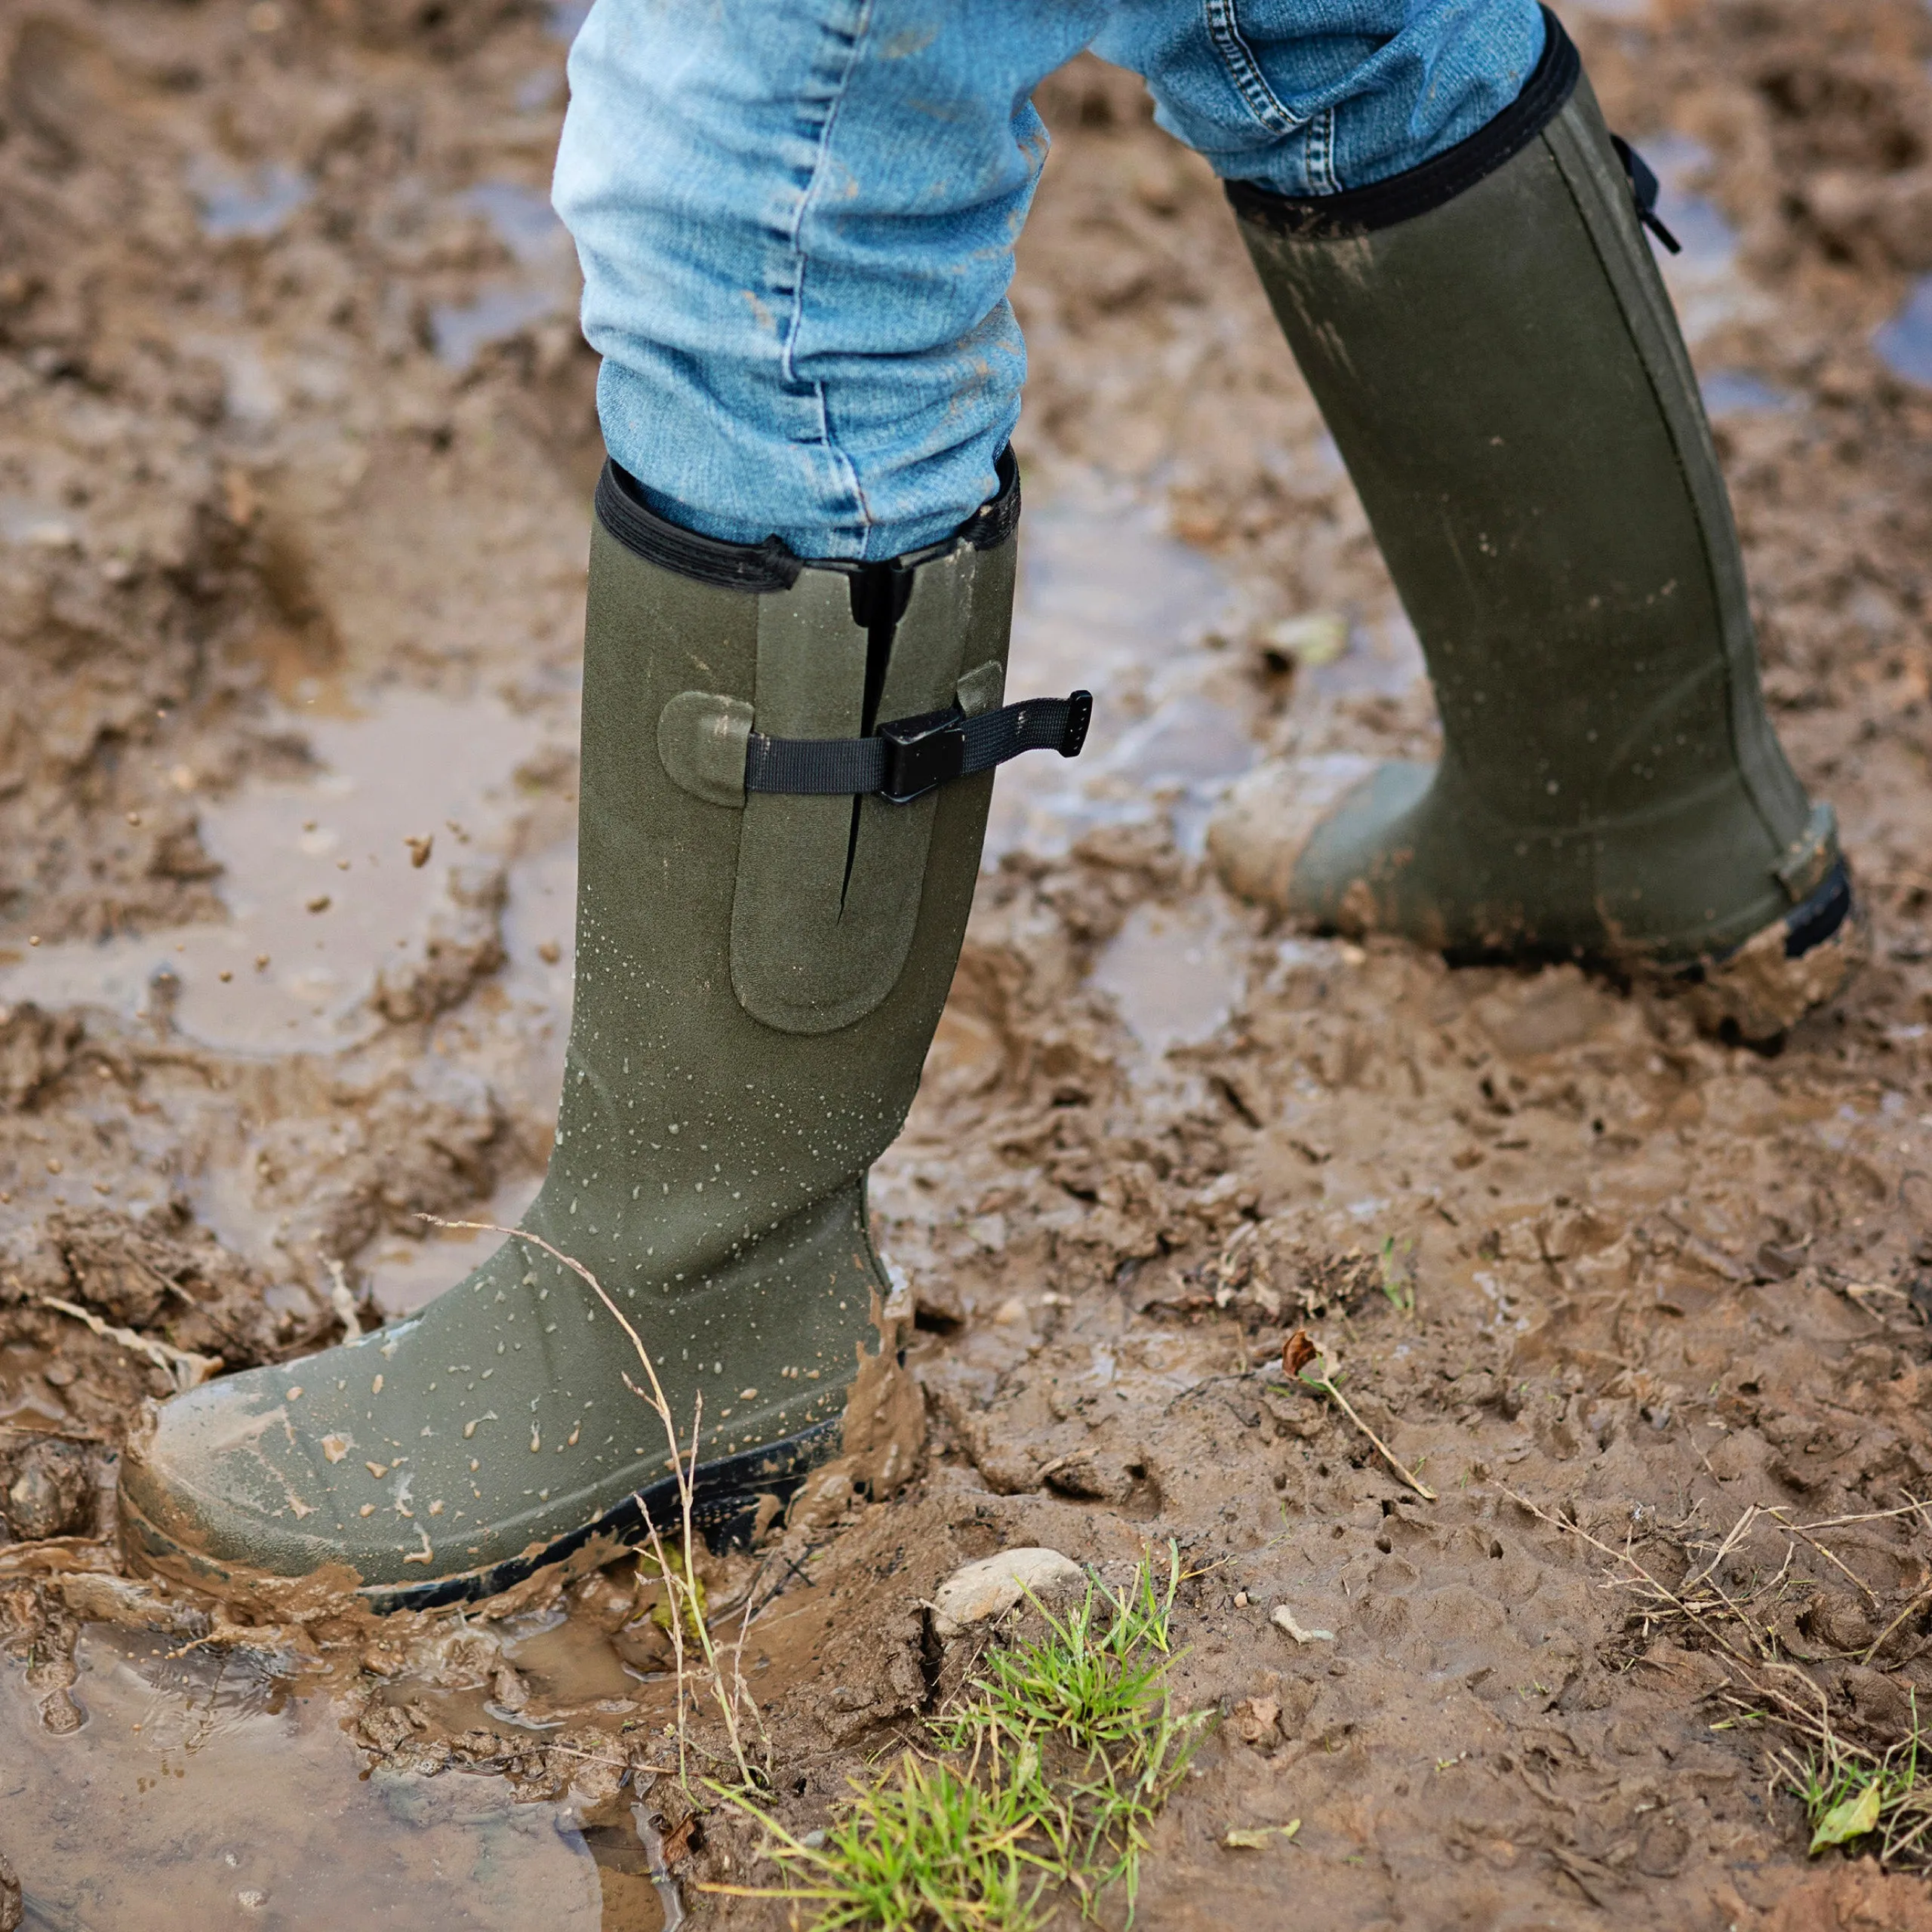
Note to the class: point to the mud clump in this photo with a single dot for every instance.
(50, 1492)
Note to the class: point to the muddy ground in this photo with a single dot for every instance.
(295, 454)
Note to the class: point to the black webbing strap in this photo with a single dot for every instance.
(1644, 191)
(910, 756)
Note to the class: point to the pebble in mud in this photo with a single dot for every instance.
(977, 1592)
(48, 1496)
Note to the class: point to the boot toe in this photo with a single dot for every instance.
(214, 1482)
(1257, 837)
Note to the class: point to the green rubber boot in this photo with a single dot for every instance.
(765, 938)
(1494, 352)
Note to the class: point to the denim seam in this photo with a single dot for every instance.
(1224, 23)
(855, 41)
(1322, 179)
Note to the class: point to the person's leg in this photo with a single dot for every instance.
(1312, 96)
(796, 224)
(1453, 246)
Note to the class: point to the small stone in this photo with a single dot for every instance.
(992, 1586)
(1285, 1618)
(49, 1494)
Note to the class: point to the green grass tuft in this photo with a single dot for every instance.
(1880, 1804)
(1048, 1772)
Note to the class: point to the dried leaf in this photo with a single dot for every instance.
(1850, 1818)
(677, 1842)
(1297, 1351)
(1260, 1837)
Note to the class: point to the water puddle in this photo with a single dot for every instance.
(1705, 281)
(226, 1799)
(1379, 660)
(1109, 600)
(1904, 344)
(255, 202)
(524, 221)
(460, 331)
(331, 920)
(1174, 973)
(337, 938)
(1739, 392)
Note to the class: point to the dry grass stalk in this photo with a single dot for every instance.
(1297, 1352)
(683, 1594)
(1876, 1796)
(184, 1368)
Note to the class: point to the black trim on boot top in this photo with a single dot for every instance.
(1402, 197)
(773, 565)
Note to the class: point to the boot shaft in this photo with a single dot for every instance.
(1494, 352)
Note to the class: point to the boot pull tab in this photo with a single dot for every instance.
(1643, 190)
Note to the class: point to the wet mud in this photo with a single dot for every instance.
(294, 465)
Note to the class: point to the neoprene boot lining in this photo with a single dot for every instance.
(1494, 352)
(759, 975)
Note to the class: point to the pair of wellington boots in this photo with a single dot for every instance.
(785, 778)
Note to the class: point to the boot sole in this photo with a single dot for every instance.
(725, 1499)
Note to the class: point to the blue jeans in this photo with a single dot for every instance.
(796, 218)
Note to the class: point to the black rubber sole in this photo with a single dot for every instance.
(1818, 918)
(724, 1503)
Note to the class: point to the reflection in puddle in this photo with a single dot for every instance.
(1704, 281)
(523, 218)
(1904, 344)
(1738, 392)
(460, 331)
(1174, 973)
(254, 201)
(1109, 601)
(225, 1800)
(329, 916)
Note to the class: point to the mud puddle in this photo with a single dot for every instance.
(1904, 344)
(228, 1798)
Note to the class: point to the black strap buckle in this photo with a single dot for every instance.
(909, 757)
(921, 754)
(1644, 192)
